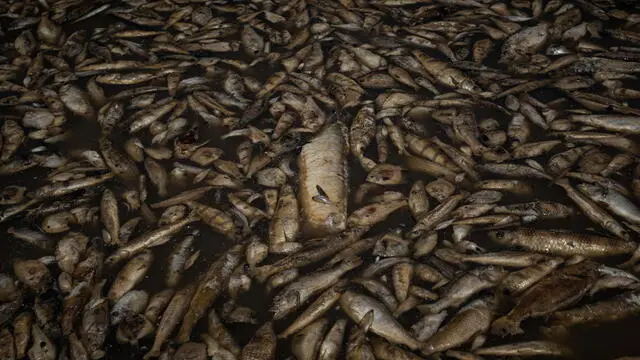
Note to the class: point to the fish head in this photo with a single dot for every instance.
(501, 236)
(591, 189)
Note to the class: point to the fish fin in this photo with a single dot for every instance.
(367, 321)
(440, 284)
(478, 341)
(321, 191)
(445, 224)
(450, 255)
(298, 299)
(191, 260)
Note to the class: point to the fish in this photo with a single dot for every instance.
(322, 162)
(612, 200)
(463, 288)
(43, 347)
(526, 348)
(471, 320)
(181, 259)
(332, 165)
(73, 305)
(554, 292)
(285, 227)
(21, 333)
(617, 308)
(306, 343)
(130, 275)
(563, 243)
(297, 293)
(323, 303)
(171, 318)
(34, 274)
(152, 238)
(593, 211)
(310, 255)
(356, 306)
(208, 289)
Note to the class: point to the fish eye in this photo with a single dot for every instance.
(499, 234)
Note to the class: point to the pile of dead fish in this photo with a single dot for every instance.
(389, 179)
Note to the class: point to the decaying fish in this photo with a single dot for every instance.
(470, 321)
(566, 243)
(322, 164)
(357, 306)
(338, 165)
(559, 290)
(209, 288)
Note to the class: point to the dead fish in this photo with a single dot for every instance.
(317, 308)
(110, 216)
(559, 290)
(120, 164)
(528, 348)
(73, 305)
(297, 293)
(132, 303)
(618, 308)
(34, 274)
(593, 211)
(43, 347)
(563, 242)
(130, 275)
(463, 288)
(77, 101)
(181, 258)
(518, 281)
(612, 201)
(383, 324)
(209, 288)
(171, 318)
(519, 46)
(428, 325)
(7, 349)
(472, 320)
(306, 342)
(322, 162)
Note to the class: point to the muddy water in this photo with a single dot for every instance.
(601, 342)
